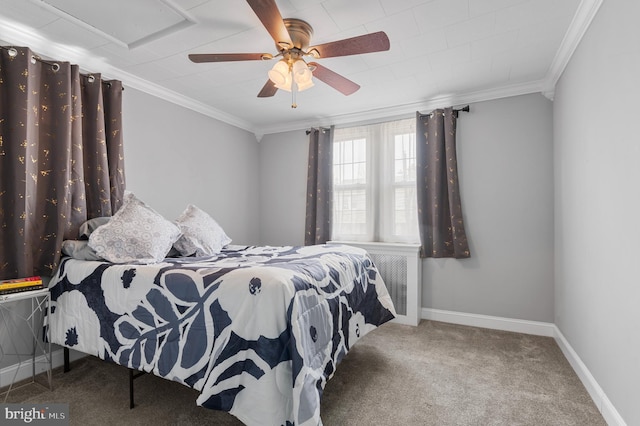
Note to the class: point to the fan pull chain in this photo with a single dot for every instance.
(294, 86)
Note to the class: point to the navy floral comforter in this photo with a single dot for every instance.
(256, 330)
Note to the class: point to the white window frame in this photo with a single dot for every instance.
(380, 183)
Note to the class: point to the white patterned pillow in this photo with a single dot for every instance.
(201, 234)
(135, 234)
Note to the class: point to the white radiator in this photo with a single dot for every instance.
(401, 270)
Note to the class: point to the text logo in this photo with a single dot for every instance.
(34, 414)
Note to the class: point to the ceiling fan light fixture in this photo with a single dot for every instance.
(279, 73)
(292, 37)
(283, 75)
(286, 87)
(304, 85)
(302, 75)
(286, 84)
(301, 71)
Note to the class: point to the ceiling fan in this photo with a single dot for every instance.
(292, 37)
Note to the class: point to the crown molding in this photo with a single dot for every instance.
(182, 100)
(409, 109)
(20, 35)
(581, 21)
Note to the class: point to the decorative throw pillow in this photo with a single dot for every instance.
(79, 249)
(201, 234)
(135, 234)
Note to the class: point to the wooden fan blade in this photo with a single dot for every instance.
(268, 13)
(374, 42)
(333, 79)
(268, 90)
(228, 57)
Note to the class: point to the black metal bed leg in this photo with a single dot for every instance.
(65, 352)
(132, 376)
(131, 405)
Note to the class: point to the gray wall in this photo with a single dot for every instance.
(505, 162)
(283, 187)
(175, 156)
(597, 158)
(506, 177)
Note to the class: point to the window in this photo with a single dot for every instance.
(374, 183)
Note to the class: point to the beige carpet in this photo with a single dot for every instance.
(434, 374)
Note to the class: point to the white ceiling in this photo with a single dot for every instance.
(442, 51)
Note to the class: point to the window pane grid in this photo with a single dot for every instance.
(350, 213)
(375, 183)
(349, 162)
(405, 157)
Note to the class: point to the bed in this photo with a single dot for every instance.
(257, 330)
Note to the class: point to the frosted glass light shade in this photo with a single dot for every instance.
(302, 75)
(305, 85)
(286, 85)
(279, 73)
(282, 75)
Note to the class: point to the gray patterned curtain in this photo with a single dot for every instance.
(441, 226)
(61, 157)
(319, 187)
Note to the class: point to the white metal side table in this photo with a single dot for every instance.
(14, 319)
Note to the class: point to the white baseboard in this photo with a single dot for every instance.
(21, 371)
(606, 408)
(486, 321)
(18, 372)
(608, 411)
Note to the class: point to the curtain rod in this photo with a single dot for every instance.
(456, 110)
(13, 52)
(324, 129)
(55, 66)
